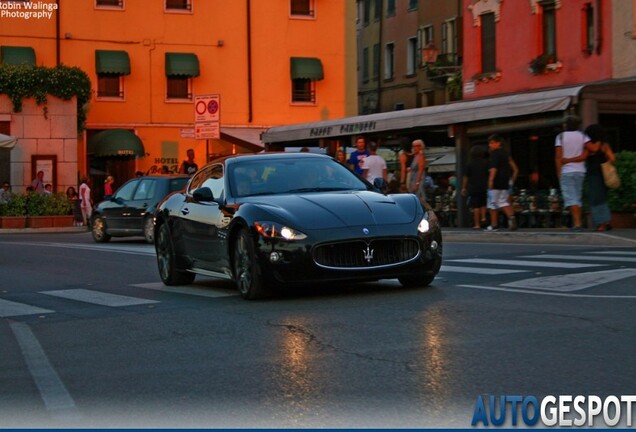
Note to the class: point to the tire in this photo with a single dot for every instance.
(98, 230)
(247, 273)
(416, 281)
(149, 229)
(166, 260)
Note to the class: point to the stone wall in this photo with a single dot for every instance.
(52, 135)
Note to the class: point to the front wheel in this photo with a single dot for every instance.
(166, 260)
(247, 273)
(98, 230)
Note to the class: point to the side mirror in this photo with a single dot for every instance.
(381, 184)
(203, 194)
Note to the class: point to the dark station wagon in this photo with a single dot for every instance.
(131, 209)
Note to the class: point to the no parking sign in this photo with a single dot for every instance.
(207, 109)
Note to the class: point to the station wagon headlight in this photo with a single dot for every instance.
(276, 230)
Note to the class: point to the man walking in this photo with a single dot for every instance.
(502, 173)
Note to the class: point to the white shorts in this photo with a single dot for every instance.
(498, 198)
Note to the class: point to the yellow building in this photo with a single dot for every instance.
(269, 62)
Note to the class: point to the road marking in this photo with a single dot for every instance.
(127, 249)
(202, 292)
(479, 270)
(612, 253)
(54, 394)
(97, 297)
(524, 263)
(584, 258)
(548, 293)
(573, 282)
(9, 308)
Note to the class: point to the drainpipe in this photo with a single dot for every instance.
(57, 34)
(380, 73)
(249, 61)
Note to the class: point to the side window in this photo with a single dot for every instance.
(198, 179)
(126, 191)
(145, 190)
(215, 181)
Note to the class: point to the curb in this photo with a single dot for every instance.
(534, 237)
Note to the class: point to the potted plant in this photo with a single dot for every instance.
(622, 201)
(13, 212)
(44, 210)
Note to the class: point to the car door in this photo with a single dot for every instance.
(137, 207)
(202, 221)
(116, 210)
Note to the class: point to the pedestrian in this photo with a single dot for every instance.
(5, 192)
(108, 187)
(374, 165)
(417, 170)
(356, 157)
(475, 185)
(406, 158)
(38, 182)
(73, 197)
(341, 157)
(188, 166)
(569, 145)
(596, 152)
(502, 175)
(86, 203)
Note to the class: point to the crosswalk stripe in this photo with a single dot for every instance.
(99, 298)
(9, 309)
(612, 253)
(524, 263)
(127, 249)
(478, 270)
(573, 282)
(202, 292)
(584, 257)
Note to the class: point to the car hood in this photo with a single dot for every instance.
(339, 209)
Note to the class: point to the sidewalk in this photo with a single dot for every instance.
(615, 237)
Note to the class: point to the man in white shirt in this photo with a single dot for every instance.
(374, 165)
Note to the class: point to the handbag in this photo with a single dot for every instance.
(610, 176)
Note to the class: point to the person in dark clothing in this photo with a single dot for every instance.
(475, 185)
(502, 173)
(189, 166)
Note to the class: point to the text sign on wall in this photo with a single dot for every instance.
(207, 113)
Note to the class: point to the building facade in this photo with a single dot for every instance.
(265, 63)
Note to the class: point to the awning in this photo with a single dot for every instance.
(249, 138)
(112, 62)
(182, 64)
(306, 68)
(115, 142)
(7, 142)
(452, 113)
(440, 159)
(17, 55)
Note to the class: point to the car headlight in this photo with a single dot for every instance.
(423, 226)
(427, 222)
(276, 230)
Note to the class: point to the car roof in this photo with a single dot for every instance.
(267, 155)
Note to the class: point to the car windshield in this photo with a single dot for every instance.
(291, 175)
(178, 183)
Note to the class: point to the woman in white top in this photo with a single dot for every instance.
(86, 203)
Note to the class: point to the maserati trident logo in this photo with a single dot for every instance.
(368, 254)
(365, 231)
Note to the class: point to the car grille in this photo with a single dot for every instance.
(361, 254)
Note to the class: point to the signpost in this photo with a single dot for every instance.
(207, 110)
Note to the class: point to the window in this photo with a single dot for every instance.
(365, 64)
(126, 191)
(110, 85)
(110, 3)
(145, 190)
(367, 12)
(412, 4)
(303, 90)
(587, 45)
(389, 63)
(377, 10)
(411, 56)
(179, 87)
(211, 177)
(449, 41)
(302, 7)
(425, 35)
(390, 8)
(178, 5)
(376, 61)
(549, 31)
(488, 49)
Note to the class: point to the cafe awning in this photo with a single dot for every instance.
(182, 64)
(440, 159)
(306, 68)
(112, 62)
(13, 55)
(249, 138)
(7, 142)
(518, 104)
(115, 142)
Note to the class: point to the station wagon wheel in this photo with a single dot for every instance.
(166, 260)
(149, 229)
(98, 230)
(247, 273)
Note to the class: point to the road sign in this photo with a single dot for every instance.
(207, 113)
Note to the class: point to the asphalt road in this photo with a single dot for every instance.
(89, 337)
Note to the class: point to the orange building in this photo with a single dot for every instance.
(267, 63)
